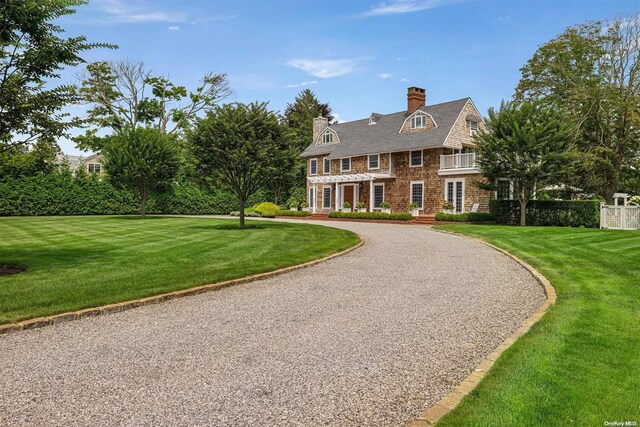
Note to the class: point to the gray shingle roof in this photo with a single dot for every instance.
(360, 138)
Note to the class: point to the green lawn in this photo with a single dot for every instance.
(580, 365)
(79, 262)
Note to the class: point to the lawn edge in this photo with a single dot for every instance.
(39, 322)
(434, 413)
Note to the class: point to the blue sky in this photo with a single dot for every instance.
(357, 55)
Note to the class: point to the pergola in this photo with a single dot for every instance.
(346, 178)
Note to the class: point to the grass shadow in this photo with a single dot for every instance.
(229, 227)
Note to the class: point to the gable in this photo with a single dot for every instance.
(460, 135)
(429, 122)
(327, 137)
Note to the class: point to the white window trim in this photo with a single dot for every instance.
(324, 171)
(421, 159)
(464, 189)
(471, 131)
(379, 184)
(511, 189)
(411, 193)
(435, 125)
(310, 169)
(369, 162)
(414, 120)
(326, 134)
(313, 199)
(323, 198)
(341, 165)
(94, 167)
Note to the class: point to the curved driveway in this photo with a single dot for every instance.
(370, 338)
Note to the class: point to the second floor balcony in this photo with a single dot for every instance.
(451, 164)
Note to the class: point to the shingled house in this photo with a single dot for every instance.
(423, 155)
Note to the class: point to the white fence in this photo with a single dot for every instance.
(458, 161)
(620, 217)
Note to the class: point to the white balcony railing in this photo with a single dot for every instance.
(458, 161)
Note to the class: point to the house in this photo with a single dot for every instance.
(92, 163)
(424, 155)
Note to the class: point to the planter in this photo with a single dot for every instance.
(386, 210)
(305, 209)
(414, 212)
(361, 209)
(447, 211)
(293, 208)
(345, 209)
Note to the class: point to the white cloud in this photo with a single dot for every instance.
(325, 68)
(305, 83)
(504, 18)
(395, 7)
(384, 76)
(174, 28)
(404, 79)
(135, 11)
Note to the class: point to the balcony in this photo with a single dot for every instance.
(452, 164)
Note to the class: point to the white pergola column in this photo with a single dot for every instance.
(315, 197)
(337, 197)
(371, 200)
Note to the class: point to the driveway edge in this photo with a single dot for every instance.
(434, 413)
(39, 322)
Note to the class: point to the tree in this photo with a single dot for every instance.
(141, 160)
(299, 117)
(239, 146)
(594, 71)
(124, 93)
(32, 53)
(528, 143)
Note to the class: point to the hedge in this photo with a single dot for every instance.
(404, 216)
(293, 213)
(465, 217)
(62, 194)
(563, 213)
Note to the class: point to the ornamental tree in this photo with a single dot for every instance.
(528, 143)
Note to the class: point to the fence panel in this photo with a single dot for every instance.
(620, 217)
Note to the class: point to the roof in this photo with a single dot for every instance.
(359, 137)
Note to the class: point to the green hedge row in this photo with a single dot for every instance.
(293, 213)
(563, 213)
(404, 216)
(62, 194)
(465, 217)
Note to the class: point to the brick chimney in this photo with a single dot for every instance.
(416, 98)
(319, 124)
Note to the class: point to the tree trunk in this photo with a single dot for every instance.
(523, 210)
(241, 212)
(143, 204)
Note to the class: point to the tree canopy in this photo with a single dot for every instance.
(593, 70)
(528, 143)
(32, 53)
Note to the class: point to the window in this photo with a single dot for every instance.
(326, 167)
(313, 167)
(94, 167)
(345, 164)
(374, 161)
(417, 192)
(503, 190)
(312, 199)
(327, 137)
(378, 195)
(454, 193)
(372, 120)
(419, 121)
(416, 159)
(473, 128)
(326, 197)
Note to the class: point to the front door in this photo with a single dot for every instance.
(347, 195)
(455, 194)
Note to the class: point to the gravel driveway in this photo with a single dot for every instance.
(370, 338)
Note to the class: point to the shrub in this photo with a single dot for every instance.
(293, 213)
(372, 215)
(412, 206)
(250, 212)
(563, 213)
(465, 217)
(267, 209)
(297, 198)
(385, 205)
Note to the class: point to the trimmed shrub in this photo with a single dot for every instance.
(562, 213)
(292, 213)
(465, 217)
(404, 216)
(267, 209)
(250, 212)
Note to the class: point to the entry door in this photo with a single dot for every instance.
(455, 194)
(347, 195)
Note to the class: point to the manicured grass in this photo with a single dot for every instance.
(79, 262)
(580, 365)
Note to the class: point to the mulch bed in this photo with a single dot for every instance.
(6, 270)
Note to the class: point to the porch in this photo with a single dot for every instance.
(331, 192)
(459, 163)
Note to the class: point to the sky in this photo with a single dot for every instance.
(360, 56)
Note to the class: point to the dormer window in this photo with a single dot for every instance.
(473, 128)
(327, 137)
(419, 121)
(372, 120)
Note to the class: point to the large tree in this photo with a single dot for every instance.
(239, 145)
(593, 70)
(32, 53)
(530, 144)
(299, 117)
(125, 94)
(141, 160)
